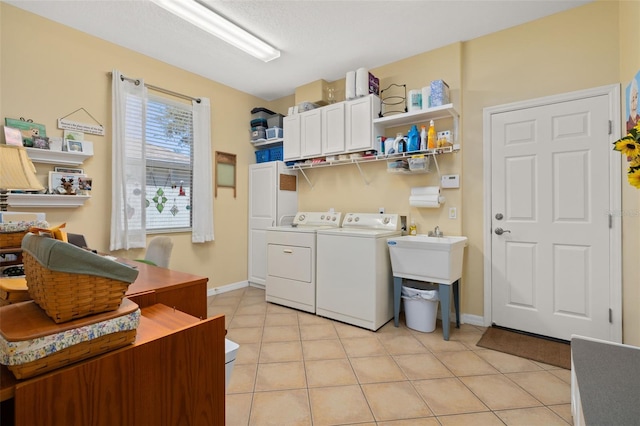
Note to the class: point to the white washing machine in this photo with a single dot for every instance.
(291, 259)
(354, 279)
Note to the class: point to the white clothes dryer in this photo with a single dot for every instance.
(291, 259)
(354, 278)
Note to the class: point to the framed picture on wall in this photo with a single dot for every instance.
(28, 129)
(59, 182)
(74, 146)
(68, 170)
(41, 142)
(12, 136)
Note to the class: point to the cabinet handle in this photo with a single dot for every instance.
(288, 251)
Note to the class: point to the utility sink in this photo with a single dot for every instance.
(425, 258)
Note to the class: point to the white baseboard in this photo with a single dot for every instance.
(472, 319)
(226, 288)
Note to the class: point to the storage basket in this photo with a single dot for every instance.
(73, 354)
(13, 290)
(66, 296)
(32, 344)
(275, 154)
(11, 239)
(262, 156)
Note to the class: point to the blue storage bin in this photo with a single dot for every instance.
(276, 154)
(262, 155)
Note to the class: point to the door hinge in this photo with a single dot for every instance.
(610, 221)
(610, 316)
(610, 127)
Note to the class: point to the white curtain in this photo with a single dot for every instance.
(201, 194)
(128, 163)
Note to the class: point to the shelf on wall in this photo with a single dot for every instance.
(433, 113)
(267, 142)
(57, 157)
(46, 200)
(373, 158)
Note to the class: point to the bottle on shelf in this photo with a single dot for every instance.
(431, 136)
(423, 138)
(413, 229)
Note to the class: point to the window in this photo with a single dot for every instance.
(169, 165)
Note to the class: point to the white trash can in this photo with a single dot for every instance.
(420, 308)
(230, 352)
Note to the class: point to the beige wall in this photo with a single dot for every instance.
(585, 47)
(49, 70)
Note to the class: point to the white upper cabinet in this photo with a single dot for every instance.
(359, 123)
(311, 133)
(333, 129)
(291, 131)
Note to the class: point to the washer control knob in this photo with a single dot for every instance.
(301, 217)
(357, 219)
(321, 217)
(386, 220)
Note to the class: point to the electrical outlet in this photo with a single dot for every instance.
(453, 213)
(381, 210)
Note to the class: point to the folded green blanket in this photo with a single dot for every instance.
(60, 256)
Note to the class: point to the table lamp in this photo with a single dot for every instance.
(16, 172)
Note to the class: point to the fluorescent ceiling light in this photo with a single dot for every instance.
(215, 24)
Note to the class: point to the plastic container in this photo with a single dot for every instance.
(262, 113)
(413, 139)
(431, 136)
(413, 229)
(258, 122)
(274, 133)
(275, 121)
(262, 156)
(258, 133)
(420, 308)
(276, 154)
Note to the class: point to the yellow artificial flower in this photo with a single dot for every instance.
(634, 177)
(634, 163)
(628, 146)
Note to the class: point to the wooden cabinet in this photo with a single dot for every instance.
(173, 374)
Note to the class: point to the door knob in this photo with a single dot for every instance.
(500, 231)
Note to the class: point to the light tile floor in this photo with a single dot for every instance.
(295, 368)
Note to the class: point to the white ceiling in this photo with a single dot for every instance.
(319, 39)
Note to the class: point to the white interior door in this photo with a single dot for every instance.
(550, 219)
(262, 215)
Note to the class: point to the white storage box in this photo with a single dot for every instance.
(274, 133)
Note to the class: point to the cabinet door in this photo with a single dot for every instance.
(333, 129)
(359, 124)
(291, 133)
(311, 133)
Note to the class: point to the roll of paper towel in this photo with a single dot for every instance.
(350, 85)
(425, 190)
(428, 201)
(362, 82)
(426, 196)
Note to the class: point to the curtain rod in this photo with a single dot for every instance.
(159, 89)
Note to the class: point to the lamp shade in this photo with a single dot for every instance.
(16, 169)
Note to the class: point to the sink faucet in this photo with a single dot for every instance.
(436, 232)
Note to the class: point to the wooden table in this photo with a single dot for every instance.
(180, 290)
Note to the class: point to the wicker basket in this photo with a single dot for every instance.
(11, 239)
(73, 354)
(65, 296)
